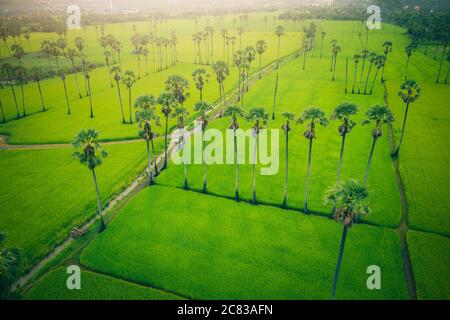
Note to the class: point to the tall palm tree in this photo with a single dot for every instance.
(9, 266)
(128, 80)
(356, 59)
(373, 57)
(87, 68)
(260, 117)
(350, 198)
(275, 92)
(180, 114)
(62, 76)
(343, 113)
(286, 127)
(409, 50)
(380, 115)
(387, 45)
(379, 63)
(167, 101)
(238, 60)
(21, 77)
(71, 55)
(203, 107)
(250, 54)
(279, 31)
(117, 77)
(221, 70)
(312, 116)
(364, 56)
(243, 76)
(200, 78)
(336, 50)
(90, 153)
(178, 86)
(333, 45)
(18, 52)
(235, 112)
(224, 33)
(410, 91)
(145, 115)
(323, 34)
(10, 74)
(261, 47)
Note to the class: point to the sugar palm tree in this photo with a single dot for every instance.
(279, 31)
(261, 47)
(203, 107)
(259, 116)
(18, 52)
(71, 55)
(323, 34)
(364, 56)
(224, 33)
(387, 45)
(90, 153)
(286, 127)
(350, 198)
(21, 77)
(410, 91)
(200, 78)
(145, 116)
(9, 266)
(442, 60)
(343, 113)
(128, 80)
(380, 115)
(10, 74)
(336, 50)
(221, 70)
(333, 45)
(312, 117)
(234, 112)
(356, 59)
(117, 77)
(167, 101)
(62, 76)
(87, 68)
(243, 76)
(379, 63)
(238, 60)
(373, 57)
(178, 86)
(409, 50)
(250, 54)
(180, 114)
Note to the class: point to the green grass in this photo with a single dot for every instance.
(430, 261)
(45, 193)
(239, 251)
(94, 286)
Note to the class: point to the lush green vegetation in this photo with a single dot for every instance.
(94, 286)
(240, 251)
(430, 260)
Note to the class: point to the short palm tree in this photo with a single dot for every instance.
(409, 50)
(167, 101)
(128, 80)
(380, 115)
(180, 114)
(10, 74)
(145, 116)
(336, 50)
(200, 78)
(261, 47)
(312, 117)
(203, 107)
(259, 116)
(235, 112)
(90, 153)
(387, 45)
(37, 77)
(356, 59)
(286, 127)
(117, 77)
(350, 198)
(9, 266)
(62, 76)
(222, 71)
(410, 91)
(343, 113)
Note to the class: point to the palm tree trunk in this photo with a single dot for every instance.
(339, 262)
(384, 65)
(99, 204)
(308, 174)
(76, 79)
(287, 170)
(354, 78)
(120, 101)
(165, 141)
(332, 62)
(129, 104)
(201, 95)
(395, 155)
(367, 78)
(153, 150)
(146, 65)
(304, 56)
(3, 113)
(254, 170)
(90, 97)
(23, 100)
(149, 163)
(67, 97)
(440, 65)
(203, 160)
(334, 67)
(275, 95)
(185, 177)
(369, 162)
(239, 78)
(446, 77)
(341, 158)
(361, 76)
(223, 98)
(260, 66)
(279, 44)
(406, 69)
(374, 79)
(346, 74)
(139, 66)
(236, 192)
(15, 99)
(321, 48)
